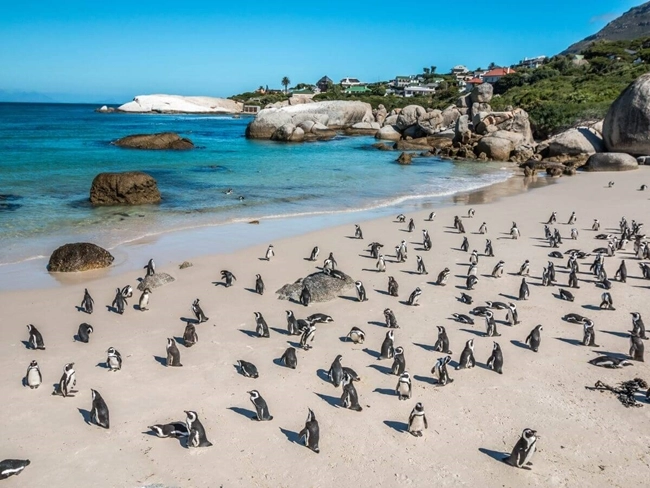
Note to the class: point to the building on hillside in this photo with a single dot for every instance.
(533, 63)
(411, 91)
(496, 74)
(472, 82)
(459, 71)
(402, 81)
(323, 83)
(251, 109)
(357, 90)
(348, 82)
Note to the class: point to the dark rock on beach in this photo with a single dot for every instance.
(162, 140)
(129, 188)
(80, 256)
(321, 287)
(611, 162)
(155, 281)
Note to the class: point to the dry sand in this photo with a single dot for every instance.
(587, 438)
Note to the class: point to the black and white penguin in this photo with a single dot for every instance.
(305, 296)
(35, 338)
(307, 337)
(522, 453)
(443, 276)
(350, 397)
(467, 360)
(440, 372)
(87, 302)
(489, 250)
(173, 429)
(497, 272)
(261, 328)
(465, 298)
(495, 362)
(381, 264)
(490, 325)
(472, 270)
(68, 381)
(421, 268)
(99, 411)
(331, 261)
(357, 232)
(196, 437)
(470, 213)
(596, 225)
(512, 315)
(12, 467)
(310, 434)
(374, 249)
(552, 219)
(387, 350)
(320, 318)
(411, 226)
(638, 326)
(84, 331)
(249, 370)
(414, 297)
(261, 408)
(113, 359)
(289, 358)
(465, 245)
(574, 318)
(442, 343)
(573, 279)
(417, 420)
(404, 388)
(535, 338)
(198, 312)
(314, 253)
(496, 305)
(524, 292)
(636, 347)
(393, 287)
(361, 291)
(391, 320)
(127, 292)
(190, 337)
(335, 373)
(33, 377)
(292, 323)
(173, 354)
(399, 361)
(483, 228)
(607, 302)
(524, 269)
(401, 218)
(270, 252)
(400, 256)
(426, 240)
(356, 335)
(621, 272)
(143, 303)
(480, 311)
(572, 219)
(574, 233)
(470, 282)
(462, 318)
(228, 277)
(473, 258)
(432, 216)
(150, 267)
(514, 231)
(566, 295)
(589, 337)
(259, 285)
(610, 362)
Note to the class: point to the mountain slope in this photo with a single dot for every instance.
(631, 25)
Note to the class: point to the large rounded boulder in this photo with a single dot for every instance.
(80, 256)
(627, 125)
(129, 188)
(482, 93)
(162, 140)
(573, 142)
(611, 162)
(409, 116)
(321, 286)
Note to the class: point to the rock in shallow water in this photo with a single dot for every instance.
(321, 287)
(155, 281)
(80, 256)
(128, 188)
(162, 140)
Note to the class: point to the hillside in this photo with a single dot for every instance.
(631, 25)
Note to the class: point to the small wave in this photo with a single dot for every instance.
(24, 260)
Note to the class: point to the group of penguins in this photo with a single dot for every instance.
(341, 376)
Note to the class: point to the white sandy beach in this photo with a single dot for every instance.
(587, 438)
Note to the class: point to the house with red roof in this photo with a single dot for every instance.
(496, 74)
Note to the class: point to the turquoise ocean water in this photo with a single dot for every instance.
(50, 153)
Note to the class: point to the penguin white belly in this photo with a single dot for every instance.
(33, 378)
(417, 424)
(404, 389)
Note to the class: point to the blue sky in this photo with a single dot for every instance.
(111, 51)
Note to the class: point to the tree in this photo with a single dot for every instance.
(433, 70)
(285, 83)
(492, 65)
(426, 71)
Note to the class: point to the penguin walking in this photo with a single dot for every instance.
(399, 361)
(524, 292)
(490, 325)
(198, 312)
(473, 258)
(621, 272)
(414, 297)
(432, 216)
(495, 362)
(443, 276)
(228, 277)
(638, 326)
(522, 453)
(411, 226)
(356, 335)
(150, 267)
(248, 370)
(467, 360)
(607, 302)
(310, 434)
(173, 354)
(497, 272)
(119, 302)
(440, 372)
(387, 350)
(84, 331)
(314, 253)
(33, 377)
(381, 264)
(35, 338)
(173, 429)
(261, 408)
(358, 234)
(421, 268)
(535, 338)
(471, 281)
(261, 328)
(308, 337)
(113, 359)
(574, 233)
(636, 347)
(68, 381)
(270, 252)
(143, 303)
(572, 219)
(404, 387)
(335, 372)
(196, 437)
(391, 320)
(524, 270)
(87, 302)
(589, 337)
(465, 245)
(393, 287)
(350, 397)
(596, 225)
(12, 467)
(361, 291)
(289, 358)
(99, 411)
(552, 219)
(483, 228)
(259, 285)
(190, 337)
(442, 343)
(470, 213)
(305, 296)
(417, 421)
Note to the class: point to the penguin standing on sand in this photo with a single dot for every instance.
(589, 337)
(310, 434)
(270, 252)
(524, 270)
(524, 292)
(442, 277)
(638, 326)
(228, 278)
(357, 232)
(514, 231)
(196, 437)
(572, 219)
(440, 372)
(534, 338)
(470, 213)
(33, 377)
(67, 382)
(119, 302)
(173, 354)
(361, 291)
(99, 411)
(113, 359)
(596, 225)
(432, 216)
(552, 219)
(190, 337)
(307, 337)
(426, 241)
(381, 264)
(35, 338)
(387, 347)
(465, 245)
(305, 296)
(150, 267)
(391, 320)
(143, 303)
(414, 297)
(261, 408)
(198, 312)
(87, 302)
(573, 279)
(495, 362)
(621, 272)
(467, 360)
(404, 387)
(636, 347)
(471, 281)
(314, 253)
(497, 272)
(289, 358)
(490, 325)
(259, 285)
(522, 453)
(421, 268)
(574, 233)
(393, 287)
(607, 302)
(483, 228)
(442, 343)
(350, 397)
(399, 361)
(489, 251)
(335, 372)
(473, 258)
(261, 328)
(411, 227)
(512, 315)
(356, 335)
(417, 421)
(84, 331)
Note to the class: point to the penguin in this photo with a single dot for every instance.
(261, 328)
(524, 292)
(514, 231)
(552, 219)
(524, 270)
(411, 226)
(314, 253)
(522, 453)
(589, 338)
(404, 388)
(636, 347)
(119, 302)
(610, 362)
(432, 216)
(174, 429)
(573, 280)
(466, 299)
(196, 437)
(308, 337)
(534, 338)
(473, 258)
(643, 187)
(249, 370)
(456, 221)
(461, 227)
(495, 362)
(470, 213)
(350, 397)
(67, 382)
(465, 245)
(198, 312)
(259, 285)
(374, 249)
(463, 319)
(471, 282)
(399, 361)
(391, 320)
(489, 251)
(381, 264)
(173, 354)
(228, 278)
(361, 291)
(442, 343)
(335, 373)
(442, 277)
(310, 434)
(467, 360)
(497, 272)
(150, 267)
(596, 225)
(610, 184)
(638, 326)
(556, 255)
(439, 371)
(417, 421)
(12, 467)
(33, 377)
(357, 232)
(292, 323)
(401, 218)
(335, 273)
(99, 411)
(305, 296)
(490, 325)
(426, 241)
(87, 302)
(320, 318)
(621, 272)
(483, 228)
(574, 318)
(480, 311)
(496, 305)
(261, 408)
(551, 273)
(127, 292)
(414, 297)
(333, 262)
(574, 233)
(356, 335)
(35, 338)
(566, 295)
(113, 359)
(270, 252)
(472, 270)
(84, 331)
(143, 303)
(572, 219)
(400, 256)
(512, 315)
(387, 347)
(545, 278)
(289, 358)
(607, 302)
(393, 287)
(190, 337)
(421, 268)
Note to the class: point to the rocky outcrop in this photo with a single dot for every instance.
(168, 104)
(380, 114)
(129, 188)
(363, 129)
(388, 133)
(333, 115)
(409, 116)
(482, 93)
(80, 256)
(162, 140)
(611, 162)
(156, 280)
(321, 287)
(499, 145)
(405, 158)
(571, 143)
(627, 124)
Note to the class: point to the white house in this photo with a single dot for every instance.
(348, 82)
(410, 91)
(532, 62)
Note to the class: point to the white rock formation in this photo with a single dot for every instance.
(180, 104)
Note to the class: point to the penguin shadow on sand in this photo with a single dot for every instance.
(425, 379)
(220, 283)
(279, 330)
(374, 354)
(189, 320)
(112, 309)
(520, 344)
(295, 344)
(291, 436)
(383, 292)
(397, 426)
(323, 375)
(161, 360)
(244, 412)
(26, 344)
(622, 335)
(617, 355)
(380, 368)
(377, 323)
(426, 347)
(409, 272)
(351, 299)
(80, 309)
(591, 307)
(479, 333)
(573, 342)
(385, 391)
(102, 365)
(86, 415)
(249, 333)
(332, 400)
(179, 340)
(251, 290)
(509, 297)
(497, 455)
